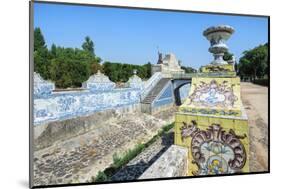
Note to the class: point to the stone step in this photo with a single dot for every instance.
(155, 91)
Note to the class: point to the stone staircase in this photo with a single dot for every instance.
(155, 91)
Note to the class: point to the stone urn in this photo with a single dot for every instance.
(218, 35)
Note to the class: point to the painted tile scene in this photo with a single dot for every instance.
(130, 94)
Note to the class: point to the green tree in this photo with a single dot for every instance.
(188, 69)
(254, 62)
(41, 55)
(147, 69)
(53, 51)
(67, 71)
(39, 41)
(88, 45)
(227, 56)
(119, 72)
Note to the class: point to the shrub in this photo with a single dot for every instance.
(263, 82)
(101, 177)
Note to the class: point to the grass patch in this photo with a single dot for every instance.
(121, 160)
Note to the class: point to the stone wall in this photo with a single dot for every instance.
(47, 134)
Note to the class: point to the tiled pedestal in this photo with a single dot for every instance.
(213, 125)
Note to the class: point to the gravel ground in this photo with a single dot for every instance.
(255, 101)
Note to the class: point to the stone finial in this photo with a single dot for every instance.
(98, 82)
(41, 87)
(135, 81)
(135, 72)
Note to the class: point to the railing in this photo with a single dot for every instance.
(149, 84)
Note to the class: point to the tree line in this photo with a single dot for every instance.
(254, 64)
(70, 67)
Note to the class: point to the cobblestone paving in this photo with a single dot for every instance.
(145, 159)
(79, 158)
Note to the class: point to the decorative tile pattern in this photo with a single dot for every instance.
(101, 95)
(42, 88)
(98, 82)
(135, 82)
(213, 94)
(214, 150)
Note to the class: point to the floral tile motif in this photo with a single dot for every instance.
(214, 151)
(213, 94)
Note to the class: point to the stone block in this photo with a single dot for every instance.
(173, 163)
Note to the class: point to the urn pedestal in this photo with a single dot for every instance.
(212, 122)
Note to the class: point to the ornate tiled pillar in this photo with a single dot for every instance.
(212, 122)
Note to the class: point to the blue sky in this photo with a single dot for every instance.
(132, 36)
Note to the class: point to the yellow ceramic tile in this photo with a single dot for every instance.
(203, 121)
(214, 120)
(235, 80)
(177, 127)
(241, 124)
(180, 142)
(177, 139)
(180, 117)
(245, 139)
(190, 118)
(192, 167)
(243, 132)
(240, 127)
(246, 168)
(227, 123)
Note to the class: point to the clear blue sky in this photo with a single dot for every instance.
(132, 36)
